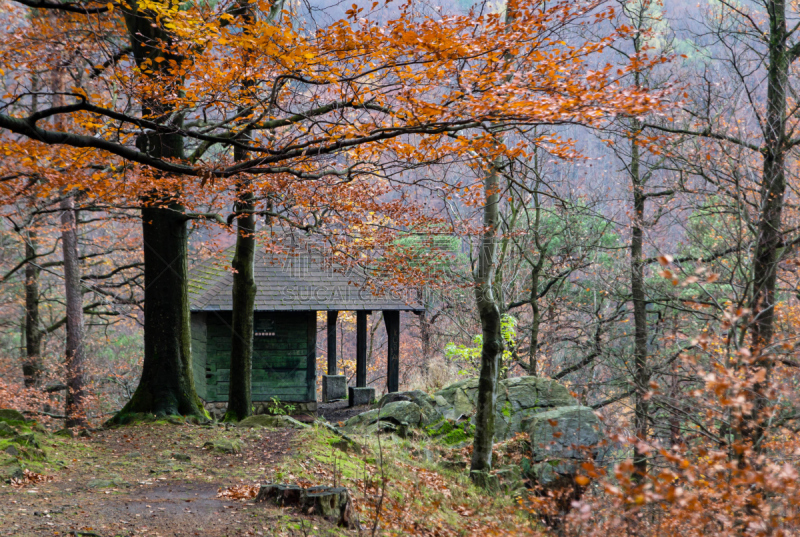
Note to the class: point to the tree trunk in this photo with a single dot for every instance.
(167, 383)
(240, 399)
(641, 373)
(536, 319)
(536, 272)
(770, 234)
(492, 346)
(32, 366)
(74, 353)
(240, 395)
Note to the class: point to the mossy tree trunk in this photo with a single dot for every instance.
(167, 383)
(489, 312)
(244, 296)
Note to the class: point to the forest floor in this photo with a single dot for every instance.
(164, 479)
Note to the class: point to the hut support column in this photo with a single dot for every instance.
(361, 349)
(334, 387)
(332, 316)
(392, 320)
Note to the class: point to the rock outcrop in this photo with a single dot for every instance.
(561, 434)
(518, 400)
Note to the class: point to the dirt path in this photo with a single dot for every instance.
(155, 480)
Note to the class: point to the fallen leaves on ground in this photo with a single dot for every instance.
(238, 492)
(30, 478)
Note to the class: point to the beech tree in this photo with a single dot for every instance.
(355, 88)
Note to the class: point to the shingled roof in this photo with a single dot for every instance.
(297, 281)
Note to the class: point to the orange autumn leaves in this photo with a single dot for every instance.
(353, 88)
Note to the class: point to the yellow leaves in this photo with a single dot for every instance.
(110, 7)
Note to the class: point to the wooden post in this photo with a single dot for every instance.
(311, 363)
(361, 349)
(332, 316)
(392, 320)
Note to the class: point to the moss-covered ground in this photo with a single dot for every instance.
(162, 478)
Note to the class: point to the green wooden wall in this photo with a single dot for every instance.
(284, 355)
(198, 323)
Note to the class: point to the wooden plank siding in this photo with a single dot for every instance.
(282, 350)
(198, 326)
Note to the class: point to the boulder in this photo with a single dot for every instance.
(425, 402)
(399, 414)
(7, 414)
(562, 439)
(224, 445)
(268, 420)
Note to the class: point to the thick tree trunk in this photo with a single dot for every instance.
(167, 383)
(492, 347)
(74, 353)
(32, 366)
(641, 372)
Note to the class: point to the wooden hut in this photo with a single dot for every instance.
(292, 288)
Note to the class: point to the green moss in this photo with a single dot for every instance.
(319, 445)
(231, 417)
(450, 433)
(455, 436)
(507, 409)
(22, 449)
(441, 427)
